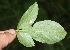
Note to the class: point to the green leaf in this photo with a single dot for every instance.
(25, 39)
(25, 23)
(48, 32)
(24, 36)
(29, 16)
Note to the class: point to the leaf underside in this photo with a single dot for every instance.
(46, 31)
(25, 39)
(29, 16)
(25, 23)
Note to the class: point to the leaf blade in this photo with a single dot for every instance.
(25, 39)
(48, 32)
(25, 23)
(29, 16)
